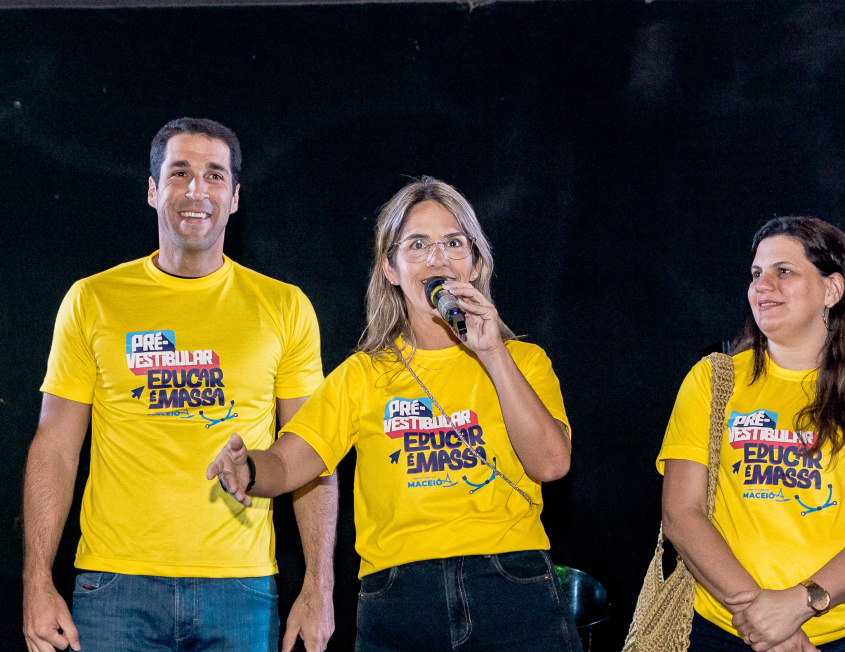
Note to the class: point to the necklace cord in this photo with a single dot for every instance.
(463, 440)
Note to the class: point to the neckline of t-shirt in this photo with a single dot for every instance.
(788, 374)
(180, 283)
(434, 355)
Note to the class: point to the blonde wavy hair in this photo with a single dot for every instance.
(387, 312)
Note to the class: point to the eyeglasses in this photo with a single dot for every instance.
(416, 250)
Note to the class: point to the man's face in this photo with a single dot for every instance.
(194, 195)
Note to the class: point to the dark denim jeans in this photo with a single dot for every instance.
(707, 637)
(153, 614)
(510, 601)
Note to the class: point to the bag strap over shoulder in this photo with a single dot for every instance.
(722, 389)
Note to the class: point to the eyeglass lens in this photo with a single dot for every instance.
(416, 250)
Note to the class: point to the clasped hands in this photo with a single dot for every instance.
(771, 619)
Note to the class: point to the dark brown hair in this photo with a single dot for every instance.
(202, 126)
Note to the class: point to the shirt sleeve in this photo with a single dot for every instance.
(537, 369)
(71, 367)
(329, 421)
(688, 433)
(301, 368)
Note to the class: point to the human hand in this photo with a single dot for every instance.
(311, 618)
(231, 467)
(771, 617)
(798, 642)
(482, 318)
(47, 623)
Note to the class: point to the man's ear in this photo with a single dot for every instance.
(389, 272)
(151, 194)
(235, 198)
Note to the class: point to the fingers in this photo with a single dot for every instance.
(230, 468)
(737, 609)
(47, 621)
(289, 640)
(69, 630)
(213, 470)
(48, 641)
(798, 642)
(472, 301)
(236, 444)
(311, 619)
(468, 295)
(229, 481)
(739, 598)
(42, 645)
(231, 451)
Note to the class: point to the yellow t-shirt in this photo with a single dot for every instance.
(781, 514)
(419, 494)
(172, 367)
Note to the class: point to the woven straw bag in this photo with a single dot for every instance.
(663, 616)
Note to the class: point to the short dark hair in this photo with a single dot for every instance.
(203, 126)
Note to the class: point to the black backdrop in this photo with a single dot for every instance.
(619, 154)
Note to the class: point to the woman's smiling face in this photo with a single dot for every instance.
(787, 293)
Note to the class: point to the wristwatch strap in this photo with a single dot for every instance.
(251, 464)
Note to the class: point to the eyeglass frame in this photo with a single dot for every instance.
(396, 246)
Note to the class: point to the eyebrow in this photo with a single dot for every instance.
(425, 235)
(780, 262)
(211, 165)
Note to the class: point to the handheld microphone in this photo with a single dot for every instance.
(447, 304)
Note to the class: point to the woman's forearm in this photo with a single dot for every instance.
(698, 542)
(707, 556)
(290, 463)
(540, 440)
(831, 577)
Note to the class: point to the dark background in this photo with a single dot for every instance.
(620, 156)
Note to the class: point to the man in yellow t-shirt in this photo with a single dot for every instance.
(166, 356)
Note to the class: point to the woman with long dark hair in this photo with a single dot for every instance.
(454, 436)
(770, 566)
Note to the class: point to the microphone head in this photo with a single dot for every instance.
(446, 304)
(433, 287)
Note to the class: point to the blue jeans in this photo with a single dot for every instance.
(510, 601)
(154, 614)
(707, 637)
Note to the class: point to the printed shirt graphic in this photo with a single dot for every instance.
(780, 512)
(172, 367)
(419, 492)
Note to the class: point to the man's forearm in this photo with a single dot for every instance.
(315, 507)
(47, 497)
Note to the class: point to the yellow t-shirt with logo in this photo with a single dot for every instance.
(419, 493)
(781, 514)
(172, 367)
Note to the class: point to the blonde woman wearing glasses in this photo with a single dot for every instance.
(454, 437)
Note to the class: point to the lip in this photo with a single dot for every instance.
(448, 278)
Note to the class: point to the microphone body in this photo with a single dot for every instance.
(439, 298)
